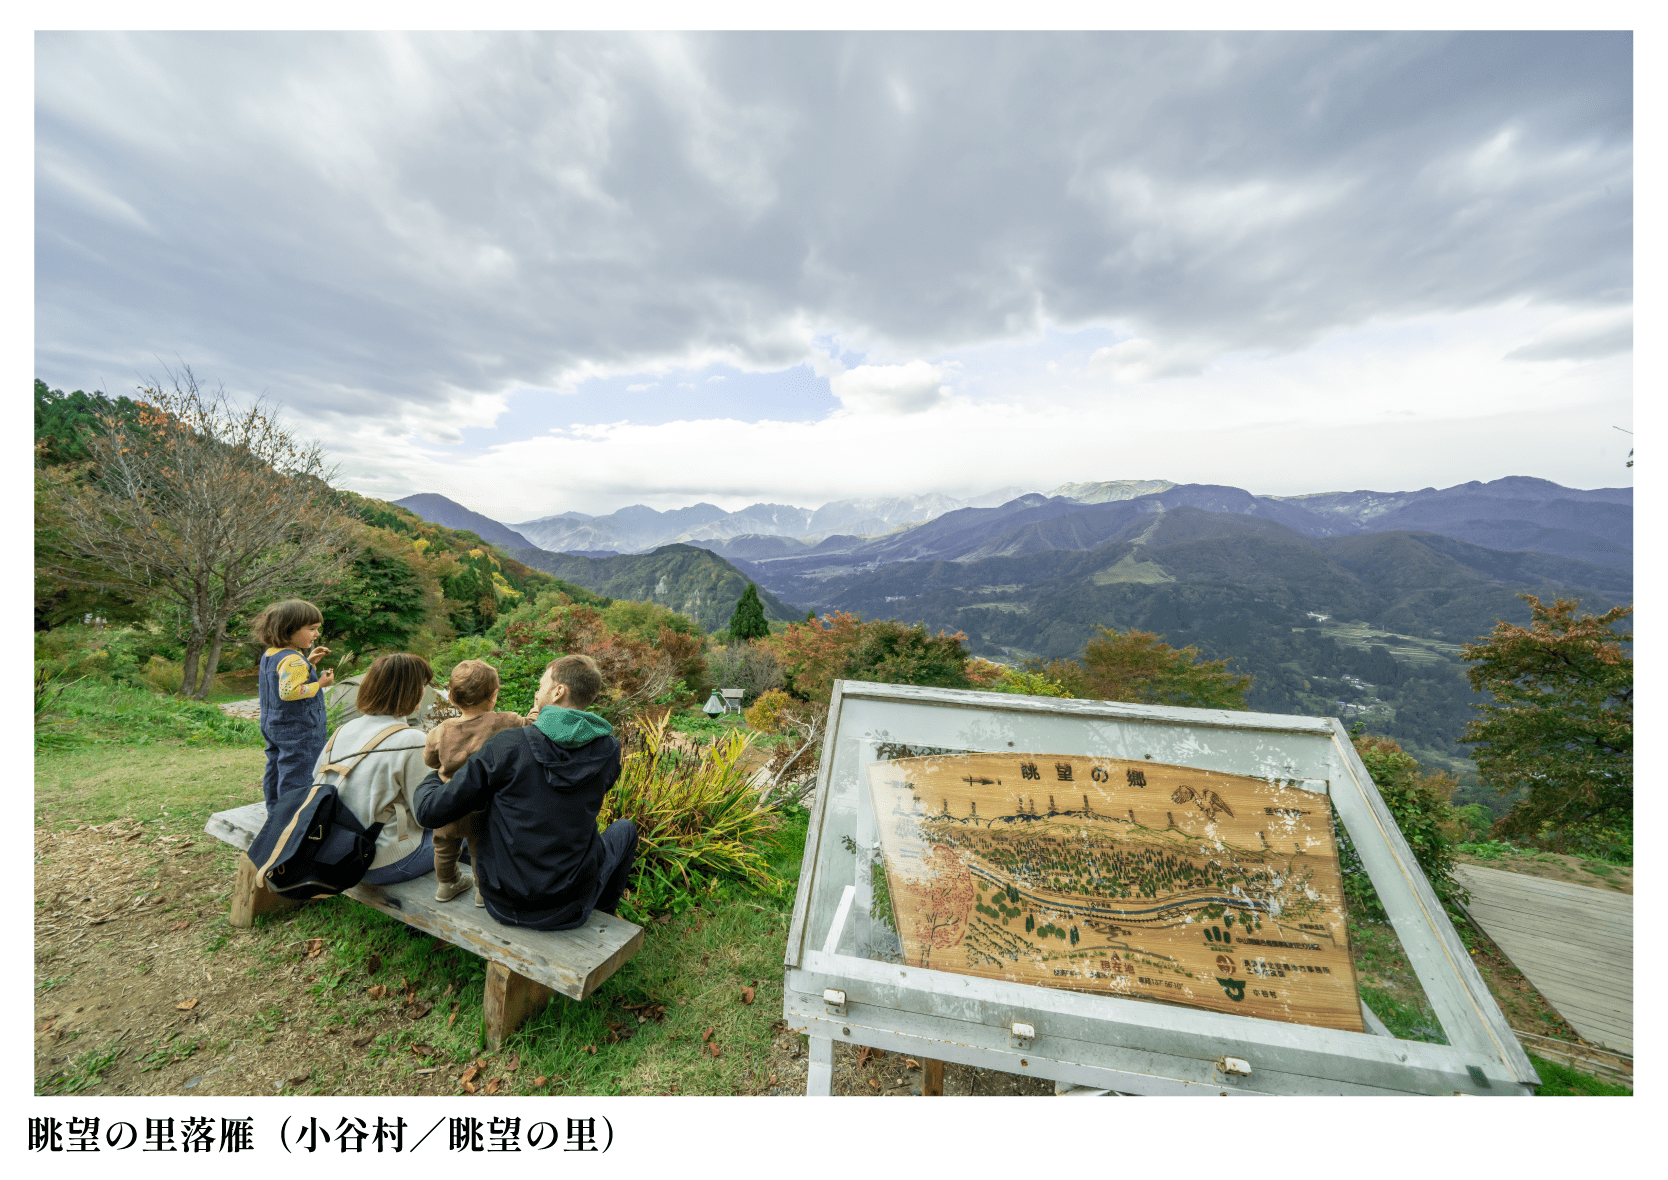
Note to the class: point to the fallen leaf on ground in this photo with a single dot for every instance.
(716, 1051)
(469, 1074)
(423, 1050)
(513, 1064)
(376, 991)
(591, 1049)
(707, 1036)
(746, 995)
(361, 1042)
(451, 1018)
(48, 1023)
(298, 1080)
(911, 1063)
(180, 925)
(773, 1079)
(492, 1086)
(186, 1005)
(874, 1083)
(315, 947)
(419, 1009)
(481, 1061)
(469, 1087)
(373, 964)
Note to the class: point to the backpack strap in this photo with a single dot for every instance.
(401, 812)
(342, 768)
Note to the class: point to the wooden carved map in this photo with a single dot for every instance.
(1134, 879)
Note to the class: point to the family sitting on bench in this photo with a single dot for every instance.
(522, 792)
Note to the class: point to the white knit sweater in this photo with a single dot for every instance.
(388, 773)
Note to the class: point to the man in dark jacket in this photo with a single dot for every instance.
(542, 863)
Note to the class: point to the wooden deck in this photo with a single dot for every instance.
(1573, 942)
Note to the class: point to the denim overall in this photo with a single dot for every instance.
(294, 731)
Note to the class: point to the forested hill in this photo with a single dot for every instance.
(1365, 626)
(695, 582)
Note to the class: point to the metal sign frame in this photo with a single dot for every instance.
(1126, 1045)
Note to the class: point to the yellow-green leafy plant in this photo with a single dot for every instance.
(696, 815)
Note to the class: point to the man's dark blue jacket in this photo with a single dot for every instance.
(540, 856)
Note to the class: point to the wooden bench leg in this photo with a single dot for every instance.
(932, 1078)
(250, 900)
(510, 1000)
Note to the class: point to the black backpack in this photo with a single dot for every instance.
(312, 845)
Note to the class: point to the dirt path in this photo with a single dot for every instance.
(144, 989)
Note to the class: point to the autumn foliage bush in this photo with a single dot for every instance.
(814, 654)
(636, 673)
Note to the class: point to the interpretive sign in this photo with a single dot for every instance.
(1135, 879)
(1142, 899)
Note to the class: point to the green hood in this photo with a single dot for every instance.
(571, 728)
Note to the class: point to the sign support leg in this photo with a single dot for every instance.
(819, 1074)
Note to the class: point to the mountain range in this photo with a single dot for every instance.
(638, 528)
(1349, 604)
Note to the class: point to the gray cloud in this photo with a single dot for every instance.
(370, 223)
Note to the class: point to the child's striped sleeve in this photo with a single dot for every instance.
(293, 684)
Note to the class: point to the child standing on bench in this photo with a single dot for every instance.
(292, 695)
(473, 688)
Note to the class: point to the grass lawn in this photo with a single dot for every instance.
(704, 994)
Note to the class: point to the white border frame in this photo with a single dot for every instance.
(1133, 1046)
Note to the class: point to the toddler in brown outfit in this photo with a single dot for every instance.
(473, 688)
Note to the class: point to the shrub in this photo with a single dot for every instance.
(163, 675)
(1419, 803)
(813, 656)
(470, 647)
(751, 667)
(636, 674)
(793, 763)
(697, 817)
(1028, 683)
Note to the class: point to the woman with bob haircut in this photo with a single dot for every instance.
(377, 788)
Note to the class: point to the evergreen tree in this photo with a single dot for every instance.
(748, 622)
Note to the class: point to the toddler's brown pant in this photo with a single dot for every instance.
(448, 842)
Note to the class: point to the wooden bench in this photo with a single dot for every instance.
(524, 967)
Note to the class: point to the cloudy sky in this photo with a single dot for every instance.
(541, 273)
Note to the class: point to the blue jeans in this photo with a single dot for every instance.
(407, 868)
(619, 852)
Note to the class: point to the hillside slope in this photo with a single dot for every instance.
(693, 581)
(437, 509)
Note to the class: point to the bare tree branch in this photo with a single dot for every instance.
(207, 505)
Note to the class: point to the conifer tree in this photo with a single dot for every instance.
(748, 622)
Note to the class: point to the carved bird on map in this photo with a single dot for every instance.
(1208, 801)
